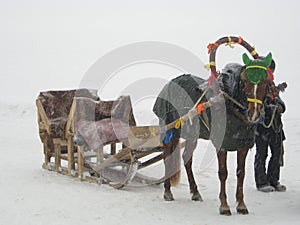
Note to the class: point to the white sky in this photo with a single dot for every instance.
(51, 44)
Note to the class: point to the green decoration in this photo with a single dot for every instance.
(257, 69)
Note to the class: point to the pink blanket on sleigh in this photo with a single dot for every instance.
(106, 131)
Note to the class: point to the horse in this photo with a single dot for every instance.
(243, 88)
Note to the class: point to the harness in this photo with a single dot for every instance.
(237, 107)
(250, 67)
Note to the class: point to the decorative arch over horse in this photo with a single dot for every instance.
(228, 107)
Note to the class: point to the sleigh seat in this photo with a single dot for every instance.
(96, 125)
(53, 114)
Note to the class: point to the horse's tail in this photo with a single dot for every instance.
(175, 179)
(174, 162)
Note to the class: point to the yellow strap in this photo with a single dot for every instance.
(259, 67)
(230, 43)
(153, 131)
(179, 123)
(253, 52)
(207, 66)
(254, 100)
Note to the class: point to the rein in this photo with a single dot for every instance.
(241, 116)
(233, 100)
(235, 112)
(272, 118)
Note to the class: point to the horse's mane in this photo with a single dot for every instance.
(230, 81)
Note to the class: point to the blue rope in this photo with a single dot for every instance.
(168, 137)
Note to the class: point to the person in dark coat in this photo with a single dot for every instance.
(270, 134)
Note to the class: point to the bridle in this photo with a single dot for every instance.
(240, 106)
(254, 100)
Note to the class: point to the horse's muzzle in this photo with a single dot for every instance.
(254, 110)
(252, 117)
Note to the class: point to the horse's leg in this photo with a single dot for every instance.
(170, 169)
(222, 158)
(240, 173)
(168, 196)
(187, 156)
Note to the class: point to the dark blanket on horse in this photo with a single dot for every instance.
(226, 130)
(176, 99)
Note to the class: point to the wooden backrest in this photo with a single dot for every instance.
(54, 107)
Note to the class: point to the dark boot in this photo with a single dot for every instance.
(266, 188)
(279, 187)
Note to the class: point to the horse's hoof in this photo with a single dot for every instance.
(243, 211)
(197, 197)
(225, 211)
(168, 197)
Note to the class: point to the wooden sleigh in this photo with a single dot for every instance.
(117, 161)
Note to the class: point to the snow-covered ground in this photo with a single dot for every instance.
(47, 45)
(32, 195)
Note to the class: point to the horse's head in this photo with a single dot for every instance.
(256, 82)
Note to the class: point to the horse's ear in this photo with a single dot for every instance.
(268, 60)
(246, 59)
